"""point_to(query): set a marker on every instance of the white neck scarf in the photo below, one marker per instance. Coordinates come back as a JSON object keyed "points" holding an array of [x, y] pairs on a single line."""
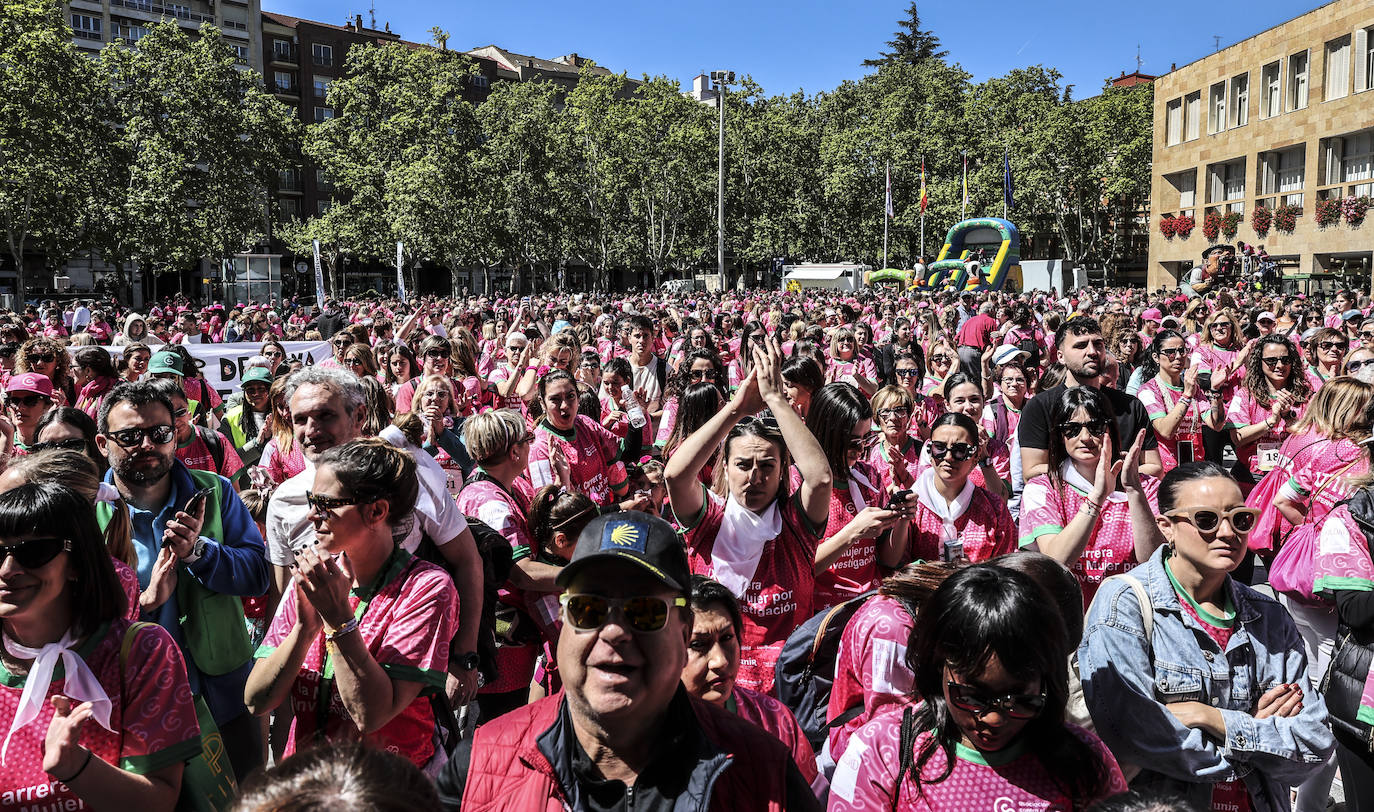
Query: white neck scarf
{"points": [[739, 543], [1070, 474], [949, 512], [80, 684]]}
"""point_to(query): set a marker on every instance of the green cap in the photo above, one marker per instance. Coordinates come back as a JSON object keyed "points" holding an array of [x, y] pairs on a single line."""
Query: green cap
{"points": [[166, 361], [259, 374]]}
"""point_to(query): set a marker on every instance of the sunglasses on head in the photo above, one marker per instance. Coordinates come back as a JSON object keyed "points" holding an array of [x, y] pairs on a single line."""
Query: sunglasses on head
{"points": [[643, 614], [129, 438], [28, 401], [1017, 706], [34, 553], [1208, 520], [69, 444], [959, 452], [319, 502], [1275, 361], [1073, 428]]}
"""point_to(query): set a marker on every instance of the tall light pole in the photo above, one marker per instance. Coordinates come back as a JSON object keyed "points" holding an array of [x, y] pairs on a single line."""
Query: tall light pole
{"points": [[721, 78]]}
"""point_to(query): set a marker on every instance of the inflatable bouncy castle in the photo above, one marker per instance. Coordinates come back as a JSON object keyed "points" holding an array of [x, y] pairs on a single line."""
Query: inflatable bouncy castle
{"points": [[1001, 251]]}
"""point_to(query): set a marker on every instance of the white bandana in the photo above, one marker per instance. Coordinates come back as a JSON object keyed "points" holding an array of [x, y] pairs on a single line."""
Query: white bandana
{"points": [[739, 543], [949, 512], [80, 684]]}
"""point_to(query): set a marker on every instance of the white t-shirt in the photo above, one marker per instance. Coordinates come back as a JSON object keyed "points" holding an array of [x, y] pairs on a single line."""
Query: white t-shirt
{"points": [[646, 378]]}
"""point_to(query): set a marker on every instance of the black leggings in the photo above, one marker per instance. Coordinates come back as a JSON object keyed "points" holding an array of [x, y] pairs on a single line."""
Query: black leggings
{"points": [[1357, 773], [1214, 444]]}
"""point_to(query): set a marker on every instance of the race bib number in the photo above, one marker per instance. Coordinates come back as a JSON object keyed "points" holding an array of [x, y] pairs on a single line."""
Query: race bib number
{"points": [[1269, 456]]}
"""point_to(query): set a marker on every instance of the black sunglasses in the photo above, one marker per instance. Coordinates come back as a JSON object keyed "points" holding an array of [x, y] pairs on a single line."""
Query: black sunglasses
{"points": [[959, 452], [129, 438], [1017, 706], [69, 444], [34, 553], [702, 375], [28, 401], [325, 503], [1355, 365], [1275, 361], [1327, 345], [45, 358], [436, 354], [1173, 352], [907, 373], [1072, 428]]}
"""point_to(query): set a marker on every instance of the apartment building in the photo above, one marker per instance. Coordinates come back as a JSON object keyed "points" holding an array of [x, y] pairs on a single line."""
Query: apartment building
{"points": [[97, 22], [1282, 119]]}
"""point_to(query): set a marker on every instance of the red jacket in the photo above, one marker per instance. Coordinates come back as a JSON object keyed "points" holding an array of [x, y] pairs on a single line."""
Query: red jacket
{"points": [[512, 764]]}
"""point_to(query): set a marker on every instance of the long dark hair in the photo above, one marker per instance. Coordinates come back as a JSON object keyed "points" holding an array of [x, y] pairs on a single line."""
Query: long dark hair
{"points": [[1098, 407], [552, 376], [50, 509], [1258, 385], [981, 612], [1149, 368], [698, 404], [835, 409]]}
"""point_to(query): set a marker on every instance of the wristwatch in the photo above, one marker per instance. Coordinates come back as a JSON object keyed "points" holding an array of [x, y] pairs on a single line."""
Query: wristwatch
{"points": [[466, 661], [197, 550]]}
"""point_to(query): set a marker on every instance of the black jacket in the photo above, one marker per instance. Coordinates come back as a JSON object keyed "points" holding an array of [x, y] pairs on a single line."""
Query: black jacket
{"points": [[1343, 683]]}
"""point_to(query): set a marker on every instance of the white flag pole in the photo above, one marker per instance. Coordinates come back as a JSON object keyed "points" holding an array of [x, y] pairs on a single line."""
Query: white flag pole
{"points": [[319, 278]]}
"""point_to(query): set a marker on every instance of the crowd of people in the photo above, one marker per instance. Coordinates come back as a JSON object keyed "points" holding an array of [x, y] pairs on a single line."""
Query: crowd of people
{"points": [[1106, 549]]}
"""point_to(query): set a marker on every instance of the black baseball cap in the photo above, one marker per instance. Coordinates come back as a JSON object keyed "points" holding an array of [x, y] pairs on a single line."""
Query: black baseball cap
{"points": [[630, 535]]}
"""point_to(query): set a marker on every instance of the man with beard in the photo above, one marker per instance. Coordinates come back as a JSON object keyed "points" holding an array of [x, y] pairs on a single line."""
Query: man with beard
{"points": [[1083, 353], [193, 566]]}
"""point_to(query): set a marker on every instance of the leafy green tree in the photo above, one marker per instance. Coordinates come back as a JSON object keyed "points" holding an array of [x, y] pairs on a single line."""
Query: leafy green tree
{"points": [[54, 125], [594, 132], [911, 45]]}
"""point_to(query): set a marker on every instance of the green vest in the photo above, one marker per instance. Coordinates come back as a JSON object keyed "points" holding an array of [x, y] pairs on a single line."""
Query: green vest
{"points": [[212, 623]]}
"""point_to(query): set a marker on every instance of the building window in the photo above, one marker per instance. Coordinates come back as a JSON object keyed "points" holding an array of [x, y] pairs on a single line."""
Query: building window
{"points": [[1269, 79], [283, 50], [1173, 121], [323, 206], [241, 52], [289, 180], [283, 82], [1350, 159], [1216, 108], [478, 80], [322, 86], [322, 181], [1364, 59], [323, 114], [322, 54], [1297, 81], [290, 208], [1337, 69], [1240, 100], [1185, 183], [86, 26], [1227, 185], [1192, 115], [1284, 173]]}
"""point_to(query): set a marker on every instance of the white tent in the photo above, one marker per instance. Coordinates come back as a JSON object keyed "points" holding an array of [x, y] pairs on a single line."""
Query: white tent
{"points": [[832, 276]]}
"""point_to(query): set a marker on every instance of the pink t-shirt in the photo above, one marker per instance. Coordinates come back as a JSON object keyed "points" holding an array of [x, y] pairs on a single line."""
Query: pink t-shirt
{"points": [[775, 717], [1320, 476], [281, 468], [667, 422], [591, 452], [878, 462], [870, 667], [1210, 357], [985, 528], [128, 579], [500, 375], [1012, 779], [782, 594], [1245, 411], [856, 570], [196, 454], [151, 711], [1160, 399], [504, 511], [1047, 508], [407, 626]]}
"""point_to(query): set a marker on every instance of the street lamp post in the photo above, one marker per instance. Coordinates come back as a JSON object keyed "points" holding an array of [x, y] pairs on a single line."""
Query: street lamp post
{"points": [[721, 78]]}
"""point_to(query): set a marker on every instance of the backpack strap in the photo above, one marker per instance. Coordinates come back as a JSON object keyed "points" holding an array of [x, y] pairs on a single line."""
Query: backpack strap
{"points": [[1147, 606], [127, 645], [906, 751], [212, 441]]}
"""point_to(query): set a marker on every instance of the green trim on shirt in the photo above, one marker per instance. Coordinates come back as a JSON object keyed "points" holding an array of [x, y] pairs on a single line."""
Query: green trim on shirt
{"points": [[991, 758], [83, 651], [409, 673], [1042, 530], [1228, 613], [1335, 582], [161, 759]]}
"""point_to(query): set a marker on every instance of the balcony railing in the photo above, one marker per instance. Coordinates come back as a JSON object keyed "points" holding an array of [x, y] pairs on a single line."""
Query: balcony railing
{"points": [[287, 55], [290, 89], [180, 12]]}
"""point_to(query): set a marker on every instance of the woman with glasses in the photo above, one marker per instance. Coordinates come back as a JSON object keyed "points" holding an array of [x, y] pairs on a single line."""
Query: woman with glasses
{"points": [[1207, 688], [365, 626], [699, 366], [896, 455], [1220, 356], [340, 342], [1173, 400], [990, 656], [114, 727], [275, 354], [954, 518], [594, 457], [1328, 347], [282, 456], [436, 358], [71, 429], [752, 337], [847, 557], [752, 531], [1002, 415], [28, 396], [48, 358], [1268, 402], [249, 423], [360, 360], [95, 376], [1126, 346], [963, 395], [507, 373], [1090, 512], [848, 366]]}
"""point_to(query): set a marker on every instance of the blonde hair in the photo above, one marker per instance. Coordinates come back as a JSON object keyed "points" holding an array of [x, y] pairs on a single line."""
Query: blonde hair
{"points": [[79, 472], [892, 397], [490, 434], [1339, 410], [435, 382]]}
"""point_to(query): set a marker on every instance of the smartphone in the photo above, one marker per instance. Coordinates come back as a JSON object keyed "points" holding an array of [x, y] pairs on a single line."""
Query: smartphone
{"points": [[197, 499], [895, 501], [1185, 452], [1204, 380]]}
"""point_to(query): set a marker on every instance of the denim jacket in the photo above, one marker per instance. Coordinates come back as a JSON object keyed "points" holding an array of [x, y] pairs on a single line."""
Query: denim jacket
{"points": [[1127, 680]]}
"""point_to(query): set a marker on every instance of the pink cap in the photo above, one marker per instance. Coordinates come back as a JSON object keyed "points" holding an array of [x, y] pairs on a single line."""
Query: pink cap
{"points": [[30, 382], [1153, 315]]}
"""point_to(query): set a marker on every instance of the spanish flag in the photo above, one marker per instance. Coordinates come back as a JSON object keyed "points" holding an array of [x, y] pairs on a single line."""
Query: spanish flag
{"points": [[925, 200]]}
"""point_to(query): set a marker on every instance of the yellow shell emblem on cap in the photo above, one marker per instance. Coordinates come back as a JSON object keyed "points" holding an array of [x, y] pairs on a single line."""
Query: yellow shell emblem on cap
{"points": [[625, 535]]}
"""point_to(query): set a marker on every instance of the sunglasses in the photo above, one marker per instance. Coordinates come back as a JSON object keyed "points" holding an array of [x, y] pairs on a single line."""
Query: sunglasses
{"points": [[1275, 361], [1367, 335], [1222, 324], [959, 452], [34, 553], [1355, 365], [46, 358], [940, 359], [28, 401], [1013, 381], [1208, 520], [1073, 428], [69, 444], [338, 343], [272, 354], [643, 614], [891, 414], [907, 373], [437, 354], [702, 375], [327, 503], [130, 438], [1017, 706], [1329, 345], [1173, 352], [863, 443]]}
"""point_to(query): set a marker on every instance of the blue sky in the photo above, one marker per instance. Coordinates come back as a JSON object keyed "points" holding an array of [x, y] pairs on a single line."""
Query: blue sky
{"points": [[814, 45]]}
